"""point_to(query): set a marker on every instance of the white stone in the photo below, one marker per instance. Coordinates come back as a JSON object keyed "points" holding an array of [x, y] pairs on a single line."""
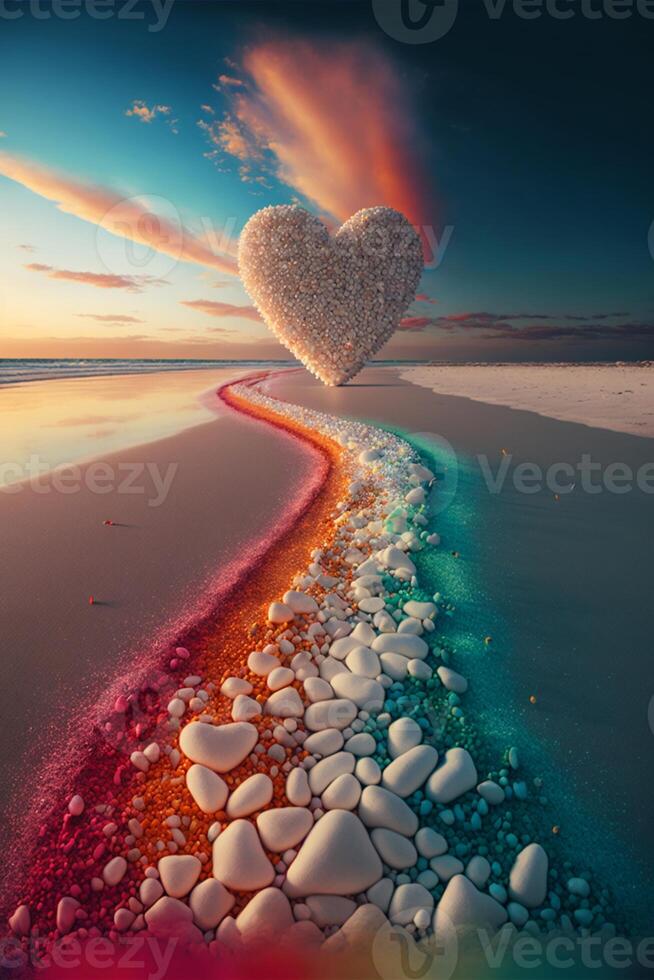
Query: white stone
{"points": [[279, 612], [245, 708], [20, 921], [169, 917], [150, 891], [286, 703], [410, 646], [451, 680], [343, 794], [356, 935], [330, 910], [380, 894], [114, 871], [421, 610], [179, 873], [464, 907], [419, 669], [210, 902], [339, 649], [279, 678], [394, 665], [283, 827], [394, 849], [406, 901], [380, 808], [207, 788], [234, 686], [364, 662], [326, 771], [491, 792], [403, 734], [262, 663], [221, 747], [266, 916], [338, 713], [429, 843], [528, 878], [371, 604], [298, 791], [409, 771], [317, 689], [367, 771], [453, 778], [239, 860], [324, 743], [446, 866], [393, 557], [364, 692], [330, 667], [66, 914], [361, 744], [363, 633], [300, 603], [478, 870], [337, 858], [251, 795]]}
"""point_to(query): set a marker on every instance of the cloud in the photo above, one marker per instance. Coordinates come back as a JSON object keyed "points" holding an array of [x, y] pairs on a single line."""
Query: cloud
{"points": [[2, 134], [229, 81], [416, 322], [129, 218], [424, 298], [142, 112], [101, 280], [207, 108], [332, 122], [27, 248], [110, 317], [222, 309]]}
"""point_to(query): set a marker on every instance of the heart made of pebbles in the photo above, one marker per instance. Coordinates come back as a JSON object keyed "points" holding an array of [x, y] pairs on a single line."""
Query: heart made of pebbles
{"points": [[333, 301]]}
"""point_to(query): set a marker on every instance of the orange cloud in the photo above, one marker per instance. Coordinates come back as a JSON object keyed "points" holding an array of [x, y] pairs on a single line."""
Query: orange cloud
{"points": [[99, 279], [213, 308], [126, 218], [336, 125], [110, 317], [144, 113]]}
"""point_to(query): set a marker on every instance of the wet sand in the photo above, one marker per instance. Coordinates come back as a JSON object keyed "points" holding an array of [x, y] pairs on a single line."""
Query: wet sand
{"points": [[233, 480], [564, 586]]}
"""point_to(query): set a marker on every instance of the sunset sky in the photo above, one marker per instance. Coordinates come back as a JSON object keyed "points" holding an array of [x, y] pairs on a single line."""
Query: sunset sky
{"points": [[524, 146]]}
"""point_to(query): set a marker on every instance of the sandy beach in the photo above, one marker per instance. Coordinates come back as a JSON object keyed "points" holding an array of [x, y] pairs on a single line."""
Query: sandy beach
{"points": [[606, 396]]}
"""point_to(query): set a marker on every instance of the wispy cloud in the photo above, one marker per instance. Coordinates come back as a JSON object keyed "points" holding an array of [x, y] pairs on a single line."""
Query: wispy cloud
{"points": [[425, 298], [229, 81], [110, 317], [127, 218], [213, 308], [27, 248], [332, 122], [2, 134], [550, 326], [100, 280], [141, 111]]}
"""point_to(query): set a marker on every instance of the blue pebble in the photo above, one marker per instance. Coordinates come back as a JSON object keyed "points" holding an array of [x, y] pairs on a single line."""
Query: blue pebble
{"points": [[447, 817], [549, 915], [482, 807], [579, 887], [520, 790], [512, 840], [422, 864], [498, 892], [475, 821], [458, 812], [514, 760], [426, 807], [518, 914], [584, 917]]}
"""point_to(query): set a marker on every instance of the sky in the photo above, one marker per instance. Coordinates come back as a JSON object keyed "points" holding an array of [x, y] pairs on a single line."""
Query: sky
{"points": [[133, 151]]}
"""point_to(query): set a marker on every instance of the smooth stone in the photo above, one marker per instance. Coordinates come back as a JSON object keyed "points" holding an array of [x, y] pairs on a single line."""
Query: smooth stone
{"points": [[384, 622], [358, 932], [245, 708], [326, 771], [317, 689], [343, 794], [302, 936], [363, 633], [371, 604], [207, 788], [446, 866], [381, 893], [262, 663], [452, 681], [210, 902], [411, 625], [363, 662], [221, 747], [453, 778], [406, 901], [361, 744], [179, 873], [339, 713], [20, 921], [339, 649], [528, 877], [407, 644], [478, 870], [297, 788], [403, 734], [114, 871], [324, 743], [367, 771], [462, 906], [251, 795], [150, 891], [579, 887], [239, 860], [286, 703], [394, 849], [429, 843], [330, 910], [300, 603], [364, 692], [234, 686], [66, 914], [265, 917], [337, 858], [415, 497], [491, 792], [283, 827], [279, 613], [410, 770], [330, 667], [168, 917], [279, 678], [393, 557], [421, 610], [419, 669], [379, 807], [394, 665]]}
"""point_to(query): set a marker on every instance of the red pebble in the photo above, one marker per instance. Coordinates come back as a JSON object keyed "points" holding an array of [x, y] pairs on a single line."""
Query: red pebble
{"points": [[91, 600], [182, 653], [121, 704]]}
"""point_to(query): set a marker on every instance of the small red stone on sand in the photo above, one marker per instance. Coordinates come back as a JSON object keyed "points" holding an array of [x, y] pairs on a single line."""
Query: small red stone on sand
{"points": [[91, 600], [108, 523]]}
